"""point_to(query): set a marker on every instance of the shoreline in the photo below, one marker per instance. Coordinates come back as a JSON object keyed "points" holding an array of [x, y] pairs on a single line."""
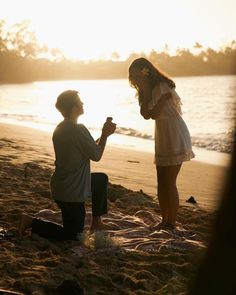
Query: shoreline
{"points": [[131, 168], [142, 145]]}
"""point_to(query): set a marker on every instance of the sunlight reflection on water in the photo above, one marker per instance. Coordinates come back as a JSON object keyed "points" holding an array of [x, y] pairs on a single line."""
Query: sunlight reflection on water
{"points": [[208, 107]]}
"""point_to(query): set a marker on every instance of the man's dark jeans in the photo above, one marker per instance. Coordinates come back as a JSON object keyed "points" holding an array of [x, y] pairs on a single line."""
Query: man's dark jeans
{"points": [[73, 213]]}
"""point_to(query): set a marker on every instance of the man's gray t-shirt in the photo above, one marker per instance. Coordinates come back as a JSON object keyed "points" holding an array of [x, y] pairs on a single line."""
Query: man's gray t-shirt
{"points": [[74, 148]]}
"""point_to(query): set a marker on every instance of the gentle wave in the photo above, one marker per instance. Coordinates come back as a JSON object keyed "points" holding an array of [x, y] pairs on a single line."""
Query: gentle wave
{"points": [[19, 117], [222, 142], [133, 132]]}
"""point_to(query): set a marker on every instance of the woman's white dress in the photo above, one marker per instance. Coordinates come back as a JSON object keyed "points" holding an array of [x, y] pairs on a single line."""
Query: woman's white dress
{"points": [[172, 139]]}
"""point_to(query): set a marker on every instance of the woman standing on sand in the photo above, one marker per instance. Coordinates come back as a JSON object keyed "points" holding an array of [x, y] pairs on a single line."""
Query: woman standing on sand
{"points": [[159, 101]]}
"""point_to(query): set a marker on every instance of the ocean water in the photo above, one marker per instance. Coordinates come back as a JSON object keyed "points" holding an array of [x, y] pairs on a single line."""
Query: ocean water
{"points": [[209, 109]]}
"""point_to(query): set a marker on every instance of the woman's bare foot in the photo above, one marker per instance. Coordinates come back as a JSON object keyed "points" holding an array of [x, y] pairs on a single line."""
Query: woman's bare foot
{"points": [[97, 224], [25, 223], [158, 226], [169, 226]]}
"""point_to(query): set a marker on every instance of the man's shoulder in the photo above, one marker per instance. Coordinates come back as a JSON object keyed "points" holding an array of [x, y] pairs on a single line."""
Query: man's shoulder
{"points": [[80, 126], [68, 127], [64, 127]]}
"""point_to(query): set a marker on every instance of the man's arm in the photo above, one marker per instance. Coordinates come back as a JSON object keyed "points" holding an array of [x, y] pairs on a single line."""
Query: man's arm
{"points": [[90, 148], [108, 129]]}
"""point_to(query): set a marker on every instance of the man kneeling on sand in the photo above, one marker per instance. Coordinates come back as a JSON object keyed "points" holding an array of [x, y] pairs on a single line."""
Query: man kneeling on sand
{"points": [[72, 181]]}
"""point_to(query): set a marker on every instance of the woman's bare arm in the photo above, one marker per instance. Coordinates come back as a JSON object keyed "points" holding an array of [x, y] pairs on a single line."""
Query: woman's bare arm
{"points": [[144, 111], [156, 111]]}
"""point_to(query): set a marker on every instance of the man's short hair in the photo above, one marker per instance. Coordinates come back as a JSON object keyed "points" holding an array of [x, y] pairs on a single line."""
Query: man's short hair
{"points": [[65, 102]]}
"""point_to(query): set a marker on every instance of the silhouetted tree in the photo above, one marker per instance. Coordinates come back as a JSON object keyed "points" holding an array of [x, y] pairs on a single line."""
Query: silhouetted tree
{"points": [[22, 59], [2, 36], [115, 56], [23, 41]]}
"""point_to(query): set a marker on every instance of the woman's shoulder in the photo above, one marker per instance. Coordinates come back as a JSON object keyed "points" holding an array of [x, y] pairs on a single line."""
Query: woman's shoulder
{"points": [[161, 87], [156, 90], [165, 87]]}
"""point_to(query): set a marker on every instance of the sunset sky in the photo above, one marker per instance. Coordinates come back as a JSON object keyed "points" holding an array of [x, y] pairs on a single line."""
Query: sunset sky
{"points": [[93, 29]]}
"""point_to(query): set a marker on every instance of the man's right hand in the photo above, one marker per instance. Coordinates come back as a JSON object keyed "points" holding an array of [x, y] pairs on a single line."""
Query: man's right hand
{"points": [[108, 128]]}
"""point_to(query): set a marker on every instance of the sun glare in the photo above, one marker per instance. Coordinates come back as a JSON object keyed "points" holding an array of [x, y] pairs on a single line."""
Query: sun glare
{"points": [[96, 29]]}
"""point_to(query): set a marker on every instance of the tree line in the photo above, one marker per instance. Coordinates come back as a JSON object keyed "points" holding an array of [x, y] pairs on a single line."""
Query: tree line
{"points": [[21, 60]]}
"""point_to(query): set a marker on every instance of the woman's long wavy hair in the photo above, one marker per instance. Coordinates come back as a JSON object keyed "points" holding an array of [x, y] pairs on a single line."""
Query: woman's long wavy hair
{"points": [[154, 75]]}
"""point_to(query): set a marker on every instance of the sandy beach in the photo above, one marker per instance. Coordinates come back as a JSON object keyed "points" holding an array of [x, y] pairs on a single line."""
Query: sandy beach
{"points": [[128, 258]]}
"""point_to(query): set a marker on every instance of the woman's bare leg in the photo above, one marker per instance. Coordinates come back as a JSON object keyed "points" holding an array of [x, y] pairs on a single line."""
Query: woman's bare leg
{"points": [[171, 193], [168, 195], [163, 203], [97, 224]]}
